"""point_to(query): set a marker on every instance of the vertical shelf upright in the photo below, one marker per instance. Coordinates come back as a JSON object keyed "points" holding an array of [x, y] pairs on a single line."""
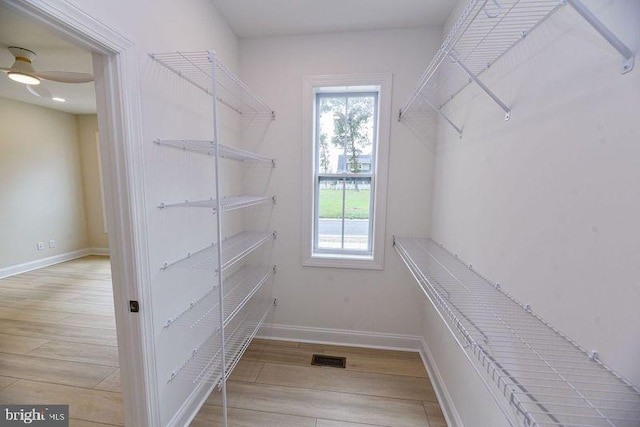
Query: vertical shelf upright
{"points": [[233, 296]]}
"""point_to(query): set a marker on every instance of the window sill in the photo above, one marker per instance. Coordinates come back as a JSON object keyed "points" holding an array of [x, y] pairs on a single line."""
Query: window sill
{"points": [[343, 261]]}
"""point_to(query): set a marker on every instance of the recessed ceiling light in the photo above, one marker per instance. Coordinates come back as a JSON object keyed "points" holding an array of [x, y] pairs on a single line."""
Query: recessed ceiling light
{"points": [[23, 78], [55, 98]]}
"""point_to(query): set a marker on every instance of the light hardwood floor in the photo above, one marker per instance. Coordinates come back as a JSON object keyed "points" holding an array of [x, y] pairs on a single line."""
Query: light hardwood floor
{"points": [[58, 345]]}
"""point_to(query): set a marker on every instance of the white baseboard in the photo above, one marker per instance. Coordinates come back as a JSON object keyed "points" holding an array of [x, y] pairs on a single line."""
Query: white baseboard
{"points": [[99, 251], [444, 398], [340, 337], [45, 262]]}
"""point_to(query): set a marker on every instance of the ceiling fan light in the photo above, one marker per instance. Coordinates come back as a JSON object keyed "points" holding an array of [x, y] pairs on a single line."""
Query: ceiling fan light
{"points": [[23, 78]]}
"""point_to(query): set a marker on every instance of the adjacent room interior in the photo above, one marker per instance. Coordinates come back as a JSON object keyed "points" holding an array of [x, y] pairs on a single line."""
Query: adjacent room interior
{"points": [[322, 214]]}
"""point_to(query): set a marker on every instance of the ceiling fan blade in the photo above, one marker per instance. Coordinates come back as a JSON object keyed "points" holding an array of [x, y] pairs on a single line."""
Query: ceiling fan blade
{"points": [[65, 76], [39, 90]]}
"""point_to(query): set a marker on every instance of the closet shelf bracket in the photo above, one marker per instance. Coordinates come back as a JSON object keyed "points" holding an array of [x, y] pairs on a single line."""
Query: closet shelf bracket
{"points": [[444, 116], [600, 27], [456, 58]]}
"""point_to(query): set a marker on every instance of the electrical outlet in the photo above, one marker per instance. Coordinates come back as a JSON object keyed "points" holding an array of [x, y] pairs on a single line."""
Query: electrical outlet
{"points": [[52, 244], [41, 246]]}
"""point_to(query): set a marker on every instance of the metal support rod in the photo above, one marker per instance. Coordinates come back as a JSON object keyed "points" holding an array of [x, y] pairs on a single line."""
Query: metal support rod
{"points": [[454, 57], [598, 25], [212, 59], [444, 117]]}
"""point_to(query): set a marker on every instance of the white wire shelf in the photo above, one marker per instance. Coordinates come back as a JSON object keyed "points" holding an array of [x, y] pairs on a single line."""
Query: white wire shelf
{"points": [[200, 68], [238, 289], [226, 204], [245, 330], [483, 33], [205, 362], [234, 248], [547, 379], [209, 148]]}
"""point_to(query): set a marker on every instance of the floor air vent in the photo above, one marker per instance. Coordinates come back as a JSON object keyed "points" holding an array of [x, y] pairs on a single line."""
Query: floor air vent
{"points": [[332, 361]]}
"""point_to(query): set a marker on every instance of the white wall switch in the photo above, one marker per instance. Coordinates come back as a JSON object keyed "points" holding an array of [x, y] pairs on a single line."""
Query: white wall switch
{"points": [[41, 246], [52, 244]]}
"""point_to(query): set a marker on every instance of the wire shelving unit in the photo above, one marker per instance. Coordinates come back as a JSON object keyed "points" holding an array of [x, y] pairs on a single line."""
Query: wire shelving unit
{"points": [[239, 289], [483, 33], [205, 364], [226, 203], [206, 72], [538, 376], [223, 319], [209, 148]]}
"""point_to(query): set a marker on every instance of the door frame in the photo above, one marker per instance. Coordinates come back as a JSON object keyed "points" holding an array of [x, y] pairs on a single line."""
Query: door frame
{"points": [[118, 105]]}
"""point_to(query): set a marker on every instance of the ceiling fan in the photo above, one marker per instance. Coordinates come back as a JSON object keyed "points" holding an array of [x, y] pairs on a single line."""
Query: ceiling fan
{"points": [[23, 72]]}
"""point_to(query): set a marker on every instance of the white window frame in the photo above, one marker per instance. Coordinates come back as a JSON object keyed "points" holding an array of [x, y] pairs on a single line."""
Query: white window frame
{"points": [[311, 84]]}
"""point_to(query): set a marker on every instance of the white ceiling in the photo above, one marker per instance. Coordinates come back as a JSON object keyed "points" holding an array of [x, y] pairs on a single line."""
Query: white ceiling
{"points": [[266, 18], [53, 54]]}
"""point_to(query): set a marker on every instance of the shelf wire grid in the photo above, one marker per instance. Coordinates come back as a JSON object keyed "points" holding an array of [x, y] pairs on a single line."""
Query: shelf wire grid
{"points": [[226, 204], [205, 362], [238, 289], [209, 148], [234, 249], [239, 341], [198, 68], [483, 33], [546, 378]]}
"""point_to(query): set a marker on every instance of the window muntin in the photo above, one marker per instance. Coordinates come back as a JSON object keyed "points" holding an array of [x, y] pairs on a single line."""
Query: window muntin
{"points": [[345, 146]]}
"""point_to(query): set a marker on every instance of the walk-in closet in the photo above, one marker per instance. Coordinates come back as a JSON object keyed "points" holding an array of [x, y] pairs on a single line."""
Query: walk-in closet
{"points": [[347, 214]]}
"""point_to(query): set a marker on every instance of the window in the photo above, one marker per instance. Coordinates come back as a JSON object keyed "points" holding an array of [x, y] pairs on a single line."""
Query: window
{"points": [[346, 149]]}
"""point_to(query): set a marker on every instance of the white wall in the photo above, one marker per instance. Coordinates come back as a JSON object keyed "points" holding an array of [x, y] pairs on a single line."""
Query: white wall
{"points": [[548, 203], [375, 302], [87, 125], [40, 183]]}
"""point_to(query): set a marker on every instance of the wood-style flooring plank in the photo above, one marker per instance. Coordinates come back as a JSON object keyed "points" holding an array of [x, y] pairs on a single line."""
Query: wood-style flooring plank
{"points": [[332, 423], [17, 344], [73, 422], [89, 320], [28, 293], [6, 381], [275, 343], [11, 313], [65, 306], [334, 379], [55, 332], [385, 365], [78, 352], [39, 286], [84, 404], [330, 348], [111, 383], [246, 371], [278, 354], [210, 416], [358, 359], [434, 414], [52, 371], [330, 405]]}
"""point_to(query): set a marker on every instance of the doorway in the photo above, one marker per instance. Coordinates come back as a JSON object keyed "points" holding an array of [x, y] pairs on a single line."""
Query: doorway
{"points": [[116, 91]]}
